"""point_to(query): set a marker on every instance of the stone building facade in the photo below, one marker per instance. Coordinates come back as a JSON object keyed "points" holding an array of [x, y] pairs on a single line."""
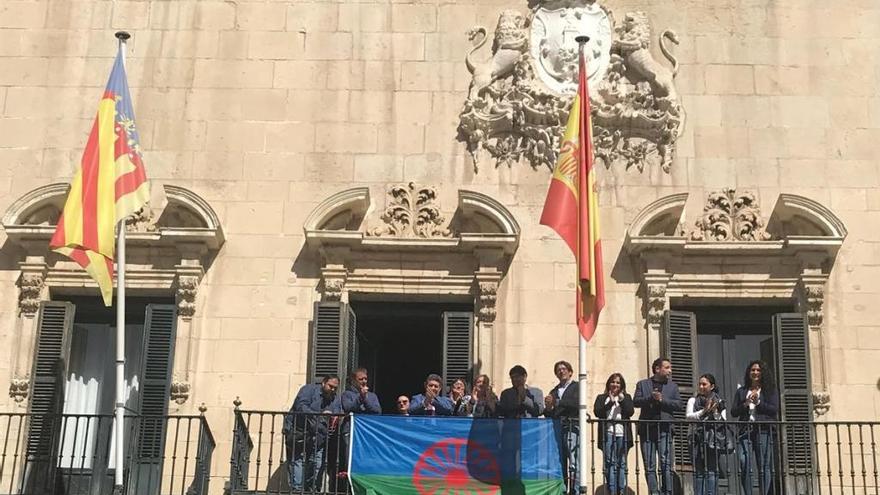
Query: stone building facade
{"points": [[348, 151]]}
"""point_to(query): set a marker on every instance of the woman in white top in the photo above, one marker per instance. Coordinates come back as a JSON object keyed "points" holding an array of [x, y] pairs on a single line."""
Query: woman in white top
{"points": [[710, 437], [615, 437]]}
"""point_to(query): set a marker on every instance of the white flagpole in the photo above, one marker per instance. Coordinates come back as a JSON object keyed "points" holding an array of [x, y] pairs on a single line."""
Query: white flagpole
{"points": [[582, 359], [123, 37]]}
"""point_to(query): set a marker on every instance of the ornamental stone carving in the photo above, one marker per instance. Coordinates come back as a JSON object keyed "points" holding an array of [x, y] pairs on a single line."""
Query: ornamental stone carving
{"points": [[180, 391], [18, 388], [488, 298], [412, 211], [30, 287], [187, 288], [730, 216], [333, 289], [821, 403], [656, 303], [814, 296], [519, 100]]}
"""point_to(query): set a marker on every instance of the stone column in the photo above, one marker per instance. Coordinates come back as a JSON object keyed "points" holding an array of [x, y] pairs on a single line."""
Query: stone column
{"points": [[486, 283], [656, 302], [186, 285], [811, 300], [32, 287]]}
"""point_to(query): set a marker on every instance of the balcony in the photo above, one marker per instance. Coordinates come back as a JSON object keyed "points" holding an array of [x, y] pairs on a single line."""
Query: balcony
{"points": [[807, 458], [74, 454]]}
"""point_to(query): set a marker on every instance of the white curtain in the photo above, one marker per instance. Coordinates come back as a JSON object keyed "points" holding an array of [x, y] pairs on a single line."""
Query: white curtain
{"points": [[91, 387]]}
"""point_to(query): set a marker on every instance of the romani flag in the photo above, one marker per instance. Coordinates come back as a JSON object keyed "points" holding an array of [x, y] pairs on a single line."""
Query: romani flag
{"points": [[572, 208], [109, 186]]}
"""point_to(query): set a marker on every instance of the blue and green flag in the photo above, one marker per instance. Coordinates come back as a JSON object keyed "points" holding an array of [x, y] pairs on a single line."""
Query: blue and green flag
{"points": [[407, 455]]}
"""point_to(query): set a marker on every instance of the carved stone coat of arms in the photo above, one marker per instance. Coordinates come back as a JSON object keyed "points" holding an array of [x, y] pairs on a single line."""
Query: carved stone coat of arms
{"points": [[519, 99]]}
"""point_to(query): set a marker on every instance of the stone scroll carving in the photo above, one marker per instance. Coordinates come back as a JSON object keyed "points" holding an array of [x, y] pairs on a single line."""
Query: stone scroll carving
{"points": [[730, 216], [519, 100], [412, 211]]}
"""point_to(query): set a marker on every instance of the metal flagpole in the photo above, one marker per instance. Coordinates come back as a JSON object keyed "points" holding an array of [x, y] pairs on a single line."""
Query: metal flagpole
{"points": [[582, 348], [123, 37]]}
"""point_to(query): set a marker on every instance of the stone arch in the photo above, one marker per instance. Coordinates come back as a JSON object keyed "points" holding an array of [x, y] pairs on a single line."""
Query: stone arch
{"points": [[365, 248], [662, 217], [799, 216], [184, 224]]}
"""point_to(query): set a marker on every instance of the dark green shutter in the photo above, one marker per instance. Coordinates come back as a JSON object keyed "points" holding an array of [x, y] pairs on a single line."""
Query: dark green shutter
{"points": [[54, 326], [458, 329], [157, 359], [334, 341], [678, 340], [791, 336]]}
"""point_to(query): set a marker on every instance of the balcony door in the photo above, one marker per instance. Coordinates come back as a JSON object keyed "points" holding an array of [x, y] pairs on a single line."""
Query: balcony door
{"points": [[398, 343]]}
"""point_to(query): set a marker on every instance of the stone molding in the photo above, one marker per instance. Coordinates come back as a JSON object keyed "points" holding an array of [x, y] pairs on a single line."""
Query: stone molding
{"points": [[399, 259], [186, 226], [735, 258], [519, 100]]}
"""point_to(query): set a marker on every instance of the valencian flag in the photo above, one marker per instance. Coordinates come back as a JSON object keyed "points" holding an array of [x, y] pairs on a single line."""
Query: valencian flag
{"points": [[572, 207], [418, 455], [109, 186]]}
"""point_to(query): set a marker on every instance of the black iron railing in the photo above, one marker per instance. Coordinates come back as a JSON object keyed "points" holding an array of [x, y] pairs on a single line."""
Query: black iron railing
{"points": [[73, 454], [783, 457]]}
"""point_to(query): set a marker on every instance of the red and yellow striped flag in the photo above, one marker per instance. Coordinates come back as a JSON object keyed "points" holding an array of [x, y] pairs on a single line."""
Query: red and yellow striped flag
{"points": [[109, 186], [572, 208]]}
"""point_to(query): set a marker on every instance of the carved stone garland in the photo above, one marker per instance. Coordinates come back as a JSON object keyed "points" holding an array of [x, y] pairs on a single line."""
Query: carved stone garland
{"points": [[729, 216], [656, 303], [187, 288], [412, 211], [512, 113]]}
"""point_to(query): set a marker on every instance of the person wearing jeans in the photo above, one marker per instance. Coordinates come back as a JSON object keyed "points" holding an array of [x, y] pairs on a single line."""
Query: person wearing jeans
{"points": [[305, 432], [614, 437], [562, 403], [707, 408], [658, 399], [755, 402]]}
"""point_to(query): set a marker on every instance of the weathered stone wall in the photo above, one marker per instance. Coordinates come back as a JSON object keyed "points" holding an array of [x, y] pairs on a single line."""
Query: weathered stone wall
{"points": [[266, 108]]}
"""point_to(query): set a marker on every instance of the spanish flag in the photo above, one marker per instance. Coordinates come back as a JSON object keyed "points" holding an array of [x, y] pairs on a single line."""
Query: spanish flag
{"points": [[109, 186], [572, 208]]}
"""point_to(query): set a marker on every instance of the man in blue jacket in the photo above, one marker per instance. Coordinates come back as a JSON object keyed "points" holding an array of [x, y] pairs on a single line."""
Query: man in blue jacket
{"points": [[356, 399], [431, 403], [658, 398], [305, 432]]}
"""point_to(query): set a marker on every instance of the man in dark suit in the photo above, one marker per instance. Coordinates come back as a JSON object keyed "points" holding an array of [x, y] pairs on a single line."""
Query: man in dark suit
{"points": [[562, 402], [520, 400], [305, 433], [658, 398]]}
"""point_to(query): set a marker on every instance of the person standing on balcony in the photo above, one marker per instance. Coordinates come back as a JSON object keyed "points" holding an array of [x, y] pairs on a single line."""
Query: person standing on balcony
{"points": [[305, 433], [755, 402], [356, 399], [485, 400], [431, 403], [402, 405], [658, 399], [562, 402], [709, 442], [520, 400], [614, 437]]}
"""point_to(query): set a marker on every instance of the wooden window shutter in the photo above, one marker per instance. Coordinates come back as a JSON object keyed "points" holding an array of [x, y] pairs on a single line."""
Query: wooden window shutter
{"points": [[157, 360], [678, 341], [458, 329], [334, 341], [791, 338], [48, 375]]}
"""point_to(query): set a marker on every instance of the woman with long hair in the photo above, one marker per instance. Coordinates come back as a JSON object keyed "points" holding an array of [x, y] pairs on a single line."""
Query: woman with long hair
{"points": [[614, 437], [709, 439], [756, 402]]}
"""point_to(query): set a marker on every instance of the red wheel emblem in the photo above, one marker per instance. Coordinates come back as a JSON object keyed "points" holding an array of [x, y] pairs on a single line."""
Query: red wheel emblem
{"points": [[455, 466]]}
